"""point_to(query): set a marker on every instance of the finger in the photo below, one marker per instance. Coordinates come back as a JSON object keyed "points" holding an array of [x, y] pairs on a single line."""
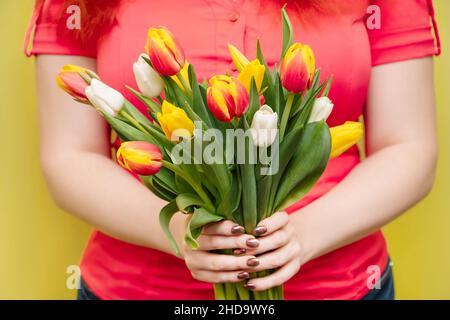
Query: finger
{"points": [[224, 228], [220, 277], [202, 260], [212, 242], [271, 224], [277, 278], [270, 242], [276, 259]]}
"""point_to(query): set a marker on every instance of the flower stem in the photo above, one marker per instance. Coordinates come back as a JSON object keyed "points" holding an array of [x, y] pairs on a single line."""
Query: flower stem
{"points": [[185, 85], [136, 123], [286, 114]]}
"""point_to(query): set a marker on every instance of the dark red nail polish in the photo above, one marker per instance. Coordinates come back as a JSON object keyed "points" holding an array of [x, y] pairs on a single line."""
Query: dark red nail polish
{"points": [[259, 230], [249, 286], [252, 243], [243, 275], [237, 229], [239, 251], [253, 262]]}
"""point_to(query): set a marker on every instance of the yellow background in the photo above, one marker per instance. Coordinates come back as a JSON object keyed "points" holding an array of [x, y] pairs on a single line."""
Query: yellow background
{"points": [[39, 241]]}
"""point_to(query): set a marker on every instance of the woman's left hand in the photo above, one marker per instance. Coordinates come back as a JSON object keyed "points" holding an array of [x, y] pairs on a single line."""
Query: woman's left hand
{"points": [[279, 248]]}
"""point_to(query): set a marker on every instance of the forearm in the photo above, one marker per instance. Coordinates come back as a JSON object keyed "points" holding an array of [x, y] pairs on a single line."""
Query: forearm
{"points": [[378, 190], [93, 188]]}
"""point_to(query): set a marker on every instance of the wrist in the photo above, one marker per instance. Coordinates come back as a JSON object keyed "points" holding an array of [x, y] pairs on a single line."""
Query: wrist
{"points": [[305, 239]]}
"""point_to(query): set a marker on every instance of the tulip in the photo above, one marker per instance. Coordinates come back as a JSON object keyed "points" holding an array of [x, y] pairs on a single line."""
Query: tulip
{"points": [[253, 70], [74, 80], [166, 55], [226, 97], [174, 122], [264, 127], [148, 80], [183, 73], [345, 136], [104, 98], [321, 109], [297, 68], [140, 157], [239, 60]]}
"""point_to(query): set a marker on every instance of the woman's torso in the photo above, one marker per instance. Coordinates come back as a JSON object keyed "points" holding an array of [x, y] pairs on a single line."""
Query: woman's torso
{"points": [[117, 270]]}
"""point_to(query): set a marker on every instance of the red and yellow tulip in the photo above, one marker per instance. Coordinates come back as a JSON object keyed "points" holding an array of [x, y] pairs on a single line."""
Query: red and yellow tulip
{"points": [[166, 55], [174, 122], [345, 136], [297, 68], [70, 79], [226, 97], [140, 157]]}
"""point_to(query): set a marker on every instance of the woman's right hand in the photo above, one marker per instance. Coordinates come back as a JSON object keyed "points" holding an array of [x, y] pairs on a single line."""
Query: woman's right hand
{"points": [[208, 266]]}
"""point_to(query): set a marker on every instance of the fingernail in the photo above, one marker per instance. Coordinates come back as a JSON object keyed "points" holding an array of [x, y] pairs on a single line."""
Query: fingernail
{"points": [[249, 286], [239, 251], [259, 230], [253, 262], [252, 243], [237, 229], [243, 275]]}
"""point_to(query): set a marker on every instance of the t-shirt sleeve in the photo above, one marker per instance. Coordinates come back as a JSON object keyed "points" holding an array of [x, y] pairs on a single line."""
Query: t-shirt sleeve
{"points": [[406, 29], [51, 30]]}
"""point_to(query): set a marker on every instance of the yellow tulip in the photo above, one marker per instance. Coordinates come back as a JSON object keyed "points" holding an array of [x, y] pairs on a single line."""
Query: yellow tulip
{"points": [[253, 70], [239, 60], [345, 136], [183, 73], [174, 122]]}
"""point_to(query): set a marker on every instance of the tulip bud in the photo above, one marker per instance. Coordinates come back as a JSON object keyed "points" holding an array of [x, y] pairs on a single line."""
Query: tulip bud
{"points": [[148, 80], [297, 68], [345, 136], [74, 80], [140, 157], [239, 60], [174, 122], [226, 97], [184, 72], [104, 98], [253, 70], [166, 55], [321, 109], [264, 127]]}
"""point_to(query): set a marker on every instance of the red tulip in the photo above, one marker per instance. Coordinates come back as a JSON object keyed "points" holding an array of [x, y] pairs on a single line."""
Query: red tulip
{"points": [[70, 79], [140, 157], [226, 97], [166, 55], [297, 68]]}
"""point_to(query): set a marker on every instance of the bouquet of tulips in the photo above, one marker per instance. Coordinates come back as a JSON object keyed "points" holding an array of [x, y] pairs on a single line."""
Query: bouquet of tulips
{"points": [[237, 148]]}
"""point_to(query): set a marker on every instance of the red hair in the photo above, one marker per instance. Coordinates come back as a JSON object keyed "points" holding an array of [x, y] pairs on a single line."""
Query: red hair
{"points": [[97, 15]]}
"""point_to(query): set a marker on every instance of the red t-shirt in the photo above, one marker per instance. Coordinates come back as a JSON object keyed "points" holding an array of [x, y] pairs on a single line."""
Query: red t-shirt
{"points": [[344, 47]]}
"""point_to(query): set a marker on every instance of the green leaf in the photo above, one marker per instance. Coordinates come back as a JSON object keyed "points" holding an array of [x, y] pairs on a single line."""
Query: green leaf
{"points": [[231, 202], [306, 166], [128, 132], [254, 103], [288, 34], [199, 218], [267, 81], [249, 191], [186, 200], [198, 100], [165, 215], [159, 191], [327, 88]]}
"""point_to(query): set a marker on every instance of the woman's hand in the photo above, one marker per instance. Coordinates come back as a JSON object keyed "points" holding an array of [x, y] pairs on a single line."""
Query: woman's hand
{"points": [[279, 248], [276, 247], [216, 267]]}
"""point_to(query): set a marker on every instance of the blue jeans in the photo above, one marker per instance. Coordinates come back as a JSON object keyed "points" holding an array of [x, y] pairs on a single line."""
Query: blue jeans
{"points": [[386, 291]]}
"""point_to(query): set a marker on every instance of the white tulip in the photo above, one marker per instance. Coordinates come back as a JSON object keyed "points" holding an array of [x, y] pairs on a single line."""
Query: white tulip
{"points": [[264, 127], [321, 109], [148, 80], [104, 98]]}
